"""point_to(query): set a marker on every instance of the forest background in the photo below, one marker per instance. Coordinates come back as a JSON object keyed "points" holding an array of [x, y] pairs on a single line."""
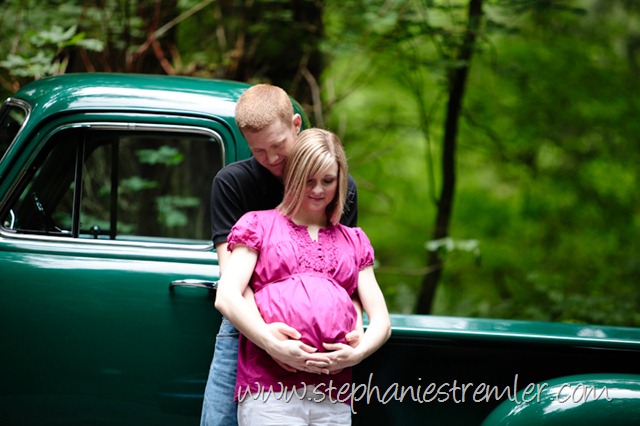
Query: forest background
{"points": [[495, 142]]}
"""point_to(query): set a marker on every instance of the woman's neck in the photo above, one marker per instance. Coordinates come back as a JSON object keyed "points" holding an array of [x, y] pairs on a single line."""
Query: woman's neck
{"points": [[310, 219]]}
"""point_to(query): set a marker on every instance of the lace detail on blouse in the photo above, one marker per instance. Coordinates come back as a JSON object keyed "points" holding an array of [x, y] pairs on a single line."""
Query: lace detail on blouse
{"points": [[315, 256]]}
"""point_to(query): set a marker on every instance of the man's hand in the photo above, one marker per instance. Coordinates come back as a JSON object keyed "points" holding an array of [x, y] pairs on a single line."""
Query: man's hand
{"points": [[353, 337], [292, 354], [341, 356], [334, 367]]}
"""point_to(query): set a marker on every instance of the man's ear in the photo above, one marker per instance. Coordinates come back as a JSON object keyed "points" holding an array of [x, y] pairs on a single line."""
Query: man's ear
{"points": [[297, 122]]}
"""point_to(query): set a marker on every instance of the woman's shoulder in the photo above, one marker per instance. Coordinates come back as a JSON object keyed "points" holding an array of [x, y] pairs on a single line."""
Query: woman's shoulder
{"points": [[252, 228], [356, 238], [264, 219], [262, 214], [348, 229], [352, 232]]}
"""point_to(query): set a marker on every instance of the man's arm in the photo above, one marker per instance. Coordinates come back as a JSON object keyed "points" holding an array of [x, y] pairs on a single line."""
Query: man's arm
{"points": [[350, 218], [377, 333], [223, 258], [244, 315], [350, 213], [226, 209], [279, 330], [223, 255]]}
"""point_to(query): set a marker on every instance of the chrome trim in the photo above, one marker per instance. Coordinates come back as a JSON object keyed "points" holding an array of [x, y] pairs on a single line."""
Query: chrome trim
{"points": [[193, 282], [27, 109], [114, 243], [13, 219]]}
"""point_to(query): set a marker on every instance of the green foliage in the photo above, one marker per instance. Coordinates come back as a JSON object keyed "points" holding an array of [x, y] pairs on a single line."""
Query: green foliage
{"points": [[32, 47], [163, 155], [172, 209], [49, 45], [546, 163], [448, 245], [136, 183], [559, 129]]}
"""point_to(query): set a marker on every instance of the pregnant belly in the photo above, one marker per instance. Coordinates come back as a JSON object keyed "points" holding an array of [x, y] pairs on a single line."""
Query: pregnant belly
{"points": [[318, 308]]}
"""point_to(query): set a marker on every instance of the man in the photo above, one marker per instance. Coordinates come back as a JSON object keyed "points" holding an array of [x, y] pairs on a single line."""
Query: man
{"points": [[265, 116]]}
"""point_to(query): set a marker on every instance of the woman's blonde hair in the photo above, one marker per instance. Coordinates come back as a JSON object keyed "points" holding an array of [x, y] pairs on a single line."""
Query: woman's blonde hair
{"points": [[314, 151], [260, 106]]}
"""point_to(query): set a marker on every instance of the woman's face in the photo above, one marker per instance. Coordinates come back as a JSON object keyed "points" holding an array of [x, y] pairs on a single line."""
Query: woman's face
{"points": [[321, 190]]}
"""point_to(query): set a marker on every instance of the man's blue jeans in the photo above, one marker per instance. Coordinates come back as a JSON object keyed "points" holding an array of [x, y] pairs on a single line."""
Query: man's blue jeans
{"points": [[218, 407]]}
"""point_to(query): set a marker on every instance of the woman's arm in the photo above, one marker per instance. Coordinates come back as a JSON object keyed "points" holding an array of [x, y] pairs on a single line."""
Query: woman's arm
{"points": [[238, 269], [378, 331]]}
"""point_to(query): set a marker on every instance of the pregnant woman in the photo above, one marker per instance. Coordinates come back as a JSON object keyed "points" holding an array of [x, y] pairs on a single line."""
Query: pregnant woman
{"points": [[303, 267]]}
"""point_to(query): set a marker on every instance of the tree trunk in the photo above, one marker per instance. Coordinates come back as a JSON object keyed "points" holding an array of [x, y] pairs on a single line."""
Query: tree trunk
{"points": [[457, 85]]}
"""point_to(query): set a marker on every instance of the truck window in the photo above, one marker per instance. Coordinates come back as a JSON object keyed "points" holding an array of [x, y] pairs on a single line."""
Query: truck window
{"points": [[114, 184]]}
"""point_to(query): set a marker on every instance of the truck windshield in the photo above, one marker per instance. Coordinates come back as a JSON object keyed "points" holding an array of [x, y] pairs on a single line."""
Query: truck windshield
{"points": [[12, 118]]}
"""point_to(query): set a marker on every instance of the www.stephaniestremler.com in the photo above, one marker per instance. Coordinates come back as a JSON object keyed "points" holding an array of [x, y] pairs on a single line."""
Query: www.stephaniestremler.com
{"points": [[453, 391]]}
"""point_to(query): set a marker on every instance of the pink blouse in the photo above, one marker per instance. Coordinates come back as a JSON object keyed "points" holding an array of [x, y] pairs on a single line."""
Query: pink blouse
{"points": [[305, 284]]}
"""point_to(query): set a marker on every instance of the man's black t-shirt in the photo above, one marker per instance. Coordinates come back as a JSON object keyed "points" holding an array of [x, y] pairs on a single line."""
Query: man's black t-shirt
{"points": [[246, 186]]}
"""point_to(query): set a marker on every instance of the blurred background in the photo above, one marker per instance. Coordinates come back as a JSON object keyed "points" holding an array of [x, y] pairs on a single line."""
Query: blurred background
{"points": [[495, 143]]}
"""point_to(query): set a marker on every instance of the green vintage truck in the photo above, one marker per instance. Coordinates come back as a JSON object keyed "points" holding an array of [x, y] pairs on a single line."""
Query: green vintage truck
{"points": [[107, 278]]}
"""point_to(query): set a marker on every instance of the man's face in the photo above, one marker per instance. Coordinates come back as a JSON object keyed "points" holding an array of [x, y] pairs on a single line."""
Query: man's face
{"points": [[271, 145]]}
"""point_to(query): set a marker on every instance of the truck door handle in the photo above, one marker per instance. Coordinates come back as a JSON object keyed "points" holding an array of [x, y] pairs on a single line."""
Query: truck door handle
{"points": [[192, 282]]}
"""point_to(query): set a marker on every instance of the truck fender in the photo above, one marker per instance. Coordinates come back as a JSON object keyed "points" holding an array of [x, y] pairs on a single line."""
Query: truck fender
{"points": [[586, 399]]}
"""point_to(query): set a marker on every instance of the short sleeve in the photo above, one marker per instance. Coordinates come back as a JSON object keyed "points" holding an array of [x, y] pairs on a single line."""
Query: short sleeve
{"points": [[246, 231], [364, 251]]}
